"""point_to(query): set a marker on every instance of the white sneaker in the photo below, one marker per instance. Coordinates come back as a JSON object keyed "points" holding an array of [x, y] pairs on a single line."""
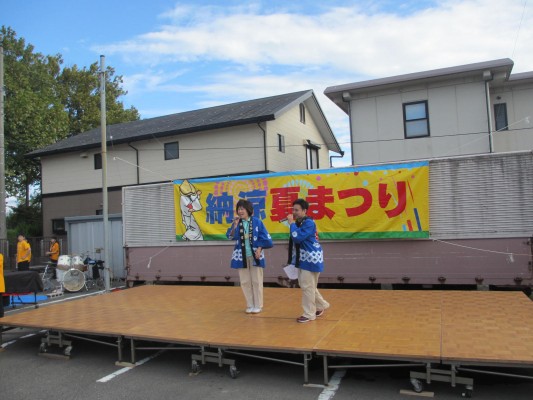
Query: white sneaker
{"points": [[256, 310], [250, 310]]}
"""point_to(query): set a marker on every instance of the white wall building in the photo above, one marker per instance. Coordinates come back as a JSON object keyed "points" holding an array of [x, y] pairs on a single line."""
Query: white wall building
{"points": [[468, 109], [278, 133]]}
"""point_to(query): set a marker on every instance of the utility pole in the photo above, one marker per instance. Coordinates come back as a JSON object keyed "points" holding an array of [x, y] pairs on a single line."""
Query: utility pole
{"points": [[104, 174], [3, 228]]}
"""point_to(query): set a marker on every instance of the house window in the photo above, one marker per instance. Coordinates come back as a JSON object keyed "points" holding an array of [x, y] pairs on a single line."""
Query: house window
{"points": [[58, 226], [98, 161], [312, 154], [302, 113], [281, 143], [172, 151], [500, 116], [416, 119]]}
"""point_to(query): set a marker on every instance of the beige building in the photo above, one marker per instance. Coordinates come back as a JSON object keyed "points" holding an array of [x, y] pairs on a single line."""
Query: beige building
{"points": [[468, 109], [278, 133]]}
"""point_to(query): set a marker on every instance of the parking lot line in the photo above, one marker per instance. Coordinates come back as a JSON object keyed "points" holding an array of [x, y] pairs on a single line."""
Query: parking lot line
{"points": [[126, 369], [329, 392]]}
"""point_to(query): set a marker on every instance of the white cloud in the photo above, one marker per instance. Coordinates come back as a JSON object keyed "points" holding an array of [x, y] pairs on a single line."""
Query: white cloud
{"points": [[346, 39], [216, 55], [229, 87], [150, 80]]}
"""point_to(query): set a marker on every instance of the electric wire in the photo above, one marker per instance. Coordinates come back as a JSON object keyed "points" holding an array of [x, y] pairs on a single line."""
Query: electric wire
{"points": [[483, 250], [519, 28]]}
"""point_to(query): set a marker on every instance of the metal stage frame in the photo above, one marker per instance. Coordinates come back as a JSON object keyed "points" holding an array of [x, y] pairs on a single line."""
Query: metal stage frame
{"points": [[440, 335]]}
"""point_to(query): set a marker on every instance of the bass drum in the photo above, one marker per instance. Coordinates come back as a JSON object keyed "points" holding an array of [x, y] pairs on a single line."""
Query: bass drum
{"points": [[73, 280], [63, 262], [77, 263]]}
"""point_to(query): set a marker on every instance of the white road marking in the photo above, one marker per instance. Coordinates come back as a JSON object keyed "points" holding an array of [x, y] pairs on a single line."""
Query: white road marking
{"points": [[4, 345], [126, 369], [334, 383], [30, 335]]}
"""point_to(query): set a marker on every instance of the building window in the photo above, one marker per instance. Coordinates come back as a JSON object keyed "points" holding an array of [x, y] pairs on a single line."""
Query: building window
{"points": [[312, 154], [416, 119], [281, 143], [302, 113], [58, 226], [98, 161], [172, 151], [500, 116]]}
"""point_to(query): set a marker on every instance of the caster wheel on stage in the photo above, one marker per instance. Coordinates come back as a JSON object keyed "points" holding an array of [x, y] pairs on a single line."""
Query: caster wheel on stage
{"points": [[195, 367], [233, 371], [43, 348], [417, 385], [468, 392], [67, 350]]}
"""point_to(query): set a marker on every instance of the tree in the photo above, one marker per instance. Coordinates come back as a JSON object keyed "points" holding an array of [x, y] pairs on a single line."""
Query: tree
{"points": [[34, 114], [26, 219], [45, 103], [81, 98]]}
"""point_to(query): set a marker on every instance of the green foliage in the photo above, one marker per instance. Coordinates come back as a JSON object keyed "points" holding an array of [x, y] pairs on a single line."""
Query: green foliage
{"points": [[25, 219], [80, 95], [34, 114], [45, 103]]}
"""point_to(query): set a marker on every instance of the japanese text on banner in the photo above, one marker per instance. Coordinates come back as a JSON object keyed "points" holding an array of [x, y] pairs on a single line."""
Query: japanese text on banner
{"points": [[386, 201]]}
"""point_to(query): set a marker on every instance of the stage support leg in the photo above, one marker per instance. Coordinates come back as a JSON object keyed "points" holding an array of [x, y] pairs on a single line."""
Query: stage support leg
{"points": [[119, 348], [307, 358], [440, 375], [218, 358], [326, 373], [132, 351], [55, 338]]}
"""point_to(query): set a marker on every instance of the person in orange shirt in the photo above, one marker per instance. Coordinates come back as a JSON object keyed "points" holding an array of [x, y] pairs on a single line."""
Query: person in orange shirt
{"points": [[23, 253], [54, 254], [2, 285]]}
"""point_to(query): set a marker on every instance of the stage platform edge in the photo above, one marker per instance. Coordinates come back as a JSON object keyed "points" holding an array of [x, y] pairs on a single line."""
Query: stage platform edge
{"points": [[451, 328]]}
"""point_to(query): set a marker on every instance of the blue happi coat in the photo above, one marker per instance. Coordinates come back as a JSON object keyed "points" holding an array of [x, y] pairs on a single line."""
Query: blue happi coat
{"points": [[311, 256], [259, 238]]}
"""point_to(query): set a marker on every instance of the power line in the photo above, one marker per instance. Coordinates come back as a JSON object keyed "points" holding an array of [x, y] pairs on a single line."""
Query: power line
{"points": [[483, 250], [519, 28], [350, 142]]}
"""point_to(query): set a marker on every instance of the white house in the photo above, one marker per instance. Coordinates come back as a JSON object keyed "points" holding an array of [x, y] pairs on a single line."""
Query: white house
{"points": [[467, 109], [278, 133]]}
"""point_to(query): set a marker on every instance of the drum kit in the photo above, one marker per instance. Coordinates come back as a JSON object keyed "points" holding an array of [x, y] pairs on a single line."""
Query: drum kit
{"points": [[70, 272]]}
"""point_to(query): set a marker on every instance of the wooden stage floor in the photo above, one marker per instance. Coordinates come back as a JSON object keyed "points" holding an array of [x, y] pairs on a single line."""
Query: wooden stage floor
{"points": [[487, 328]]}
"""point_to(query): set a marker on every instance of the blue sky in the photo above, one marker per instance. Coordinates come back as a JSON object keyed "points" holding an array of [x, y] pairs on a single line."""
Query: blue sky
{"points": [[184, 55]]}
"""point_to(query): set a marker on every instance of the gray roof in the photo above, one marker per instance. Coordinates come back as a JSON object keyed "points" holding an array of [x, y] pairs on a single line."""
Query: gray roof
{"points": [[521, 76], [241, 113], [335, 93]]}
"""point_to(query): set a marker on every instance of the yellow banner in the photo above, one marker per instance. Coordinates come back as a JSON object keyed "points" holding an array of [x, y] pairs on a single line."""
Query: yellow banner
{"points": [[386, 201]]}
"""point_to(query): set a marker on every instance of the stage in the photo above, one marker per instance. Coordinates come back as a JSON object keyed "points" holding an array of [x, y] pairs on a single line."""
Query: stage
{"points": [[426, 328]]}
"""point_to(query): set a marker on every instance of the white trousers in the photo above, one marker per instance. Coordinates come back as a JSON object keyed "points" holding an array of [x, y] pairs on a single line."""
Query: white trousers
{"points": [[252, 284], [312, 300]]}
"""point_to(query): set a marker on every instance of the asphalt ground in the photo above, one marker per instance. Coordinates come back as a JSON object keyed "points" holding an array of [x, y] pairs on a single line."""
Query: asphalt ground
{"points": [[90, 373]]}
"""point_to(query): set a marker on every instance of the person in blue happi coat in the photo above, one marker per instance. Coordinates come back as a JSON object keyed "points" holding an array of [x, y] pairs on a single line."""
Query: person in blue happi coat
{"points": [[251, 238], [306, 254]]}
